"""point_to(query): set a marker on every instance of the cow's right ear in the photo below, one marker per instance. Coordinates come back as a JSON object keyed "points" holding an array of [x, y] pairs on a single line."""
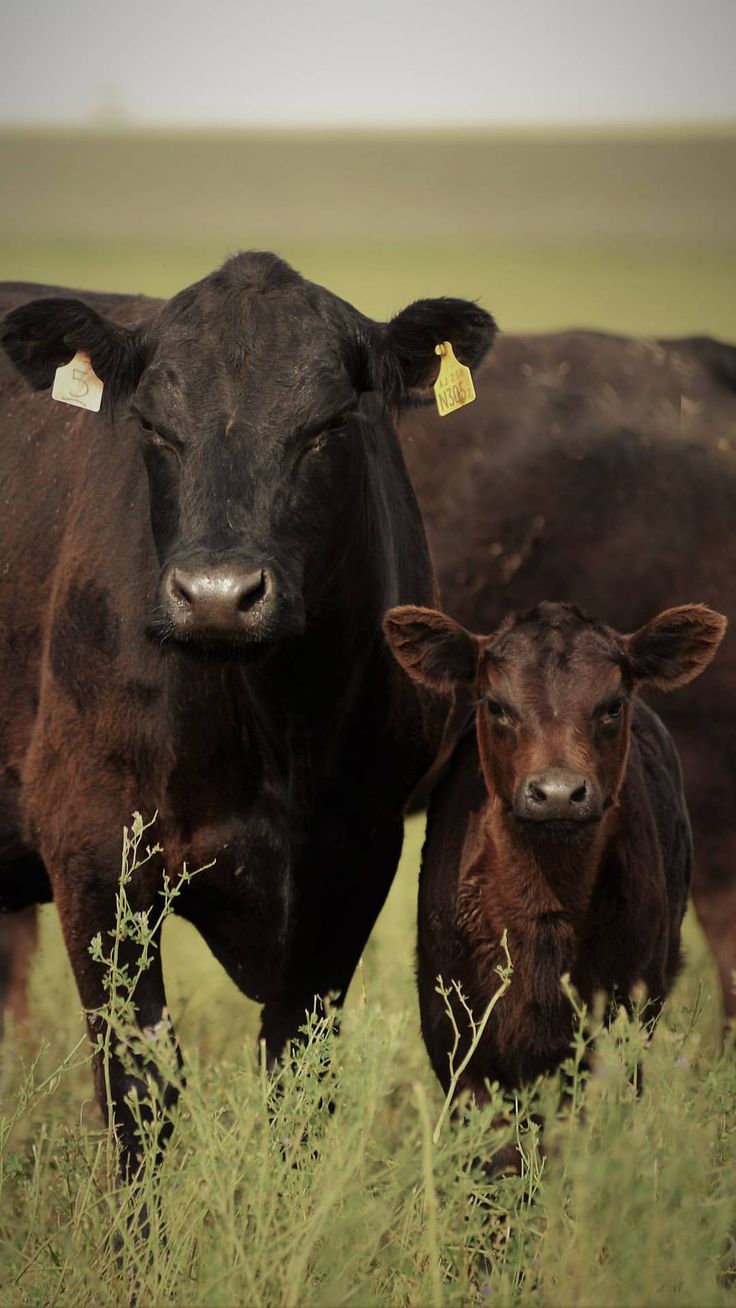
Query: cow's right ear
{"points": [[434, 650], [43, 334]]}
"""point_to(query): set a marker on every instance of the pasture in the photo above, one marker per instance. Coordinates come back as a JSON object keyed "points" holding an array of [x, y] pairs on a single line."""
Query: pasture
{"points": [[635, 1202]]}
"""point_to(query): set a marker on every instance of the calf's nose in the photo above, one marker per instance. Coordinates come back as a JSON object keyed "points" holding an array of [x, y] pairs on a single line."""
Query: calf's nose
{"points": [[218, 600], [557, 795]]}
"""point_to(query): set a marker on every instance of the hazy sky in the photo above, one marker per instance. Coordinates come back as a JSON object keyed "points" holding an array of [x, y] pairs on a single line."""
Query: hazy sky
{"points": [[384, 62]]}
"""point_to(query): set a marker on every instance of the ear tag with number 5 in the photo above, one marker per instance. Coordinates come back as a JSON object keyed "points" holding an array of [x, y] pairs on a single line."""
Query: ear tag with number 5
{"points": [[454, 385], [77, 383]]}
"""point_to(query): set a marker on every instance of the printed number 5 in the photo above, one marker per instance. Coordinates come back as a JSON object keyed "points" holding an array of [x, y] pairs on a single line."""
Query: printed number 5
{"points": [[82, 386]]}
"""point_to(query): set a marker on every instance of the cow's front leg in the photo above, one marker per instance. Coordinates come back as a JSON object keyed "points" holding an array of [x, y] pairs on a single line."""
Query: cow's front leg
{"points": [[18, 940], [134, 1042], [343, 882]]}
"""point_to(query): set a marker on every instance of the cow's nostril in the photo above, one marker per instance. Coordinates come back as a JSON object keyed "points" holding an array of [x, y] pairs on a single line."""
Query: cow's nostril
{"points": [[252, 590], [181, 588], [536, 793], [579, 795]]}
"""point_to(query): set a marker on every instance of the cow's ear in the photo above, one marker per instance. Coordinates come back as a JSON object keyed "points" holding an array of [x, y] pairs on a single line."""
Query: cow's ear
{"points": [[43, 334], [433, 649], [410, 339], [676, 646]]}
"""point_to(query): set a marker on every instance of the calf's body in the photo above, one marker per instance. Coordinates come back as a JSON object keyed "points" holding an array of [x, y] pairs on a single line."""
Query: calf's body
{"points": [[608, 913], [560, 819]]}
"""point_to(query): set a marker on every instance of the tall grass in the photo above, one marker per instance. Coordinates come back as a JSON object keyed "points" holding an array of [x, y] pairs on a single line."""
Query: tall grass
{"points": [[327, 1182]]}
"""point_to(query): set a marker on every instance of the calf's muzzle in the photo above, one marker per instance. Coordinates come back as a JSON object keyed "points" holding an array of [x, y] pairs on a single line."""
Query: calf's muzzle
{"points": [[558, 795]]}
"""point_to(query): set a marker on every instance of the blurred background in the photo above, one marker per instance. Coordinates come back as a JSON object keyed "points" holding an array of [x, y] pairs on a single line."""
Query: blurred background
{"points": [[569, 163]]}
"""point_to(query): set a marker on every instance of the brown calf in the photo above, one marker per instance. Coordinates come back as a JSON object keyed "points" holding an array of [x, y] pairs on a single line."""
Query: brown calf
{"points": [[561, 820]]}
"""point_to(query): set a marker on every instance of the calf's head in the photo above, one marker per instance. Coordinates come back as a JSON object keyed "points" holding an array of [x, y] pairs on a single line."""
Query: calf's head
{"points": [[257, 398], [553, 692]]}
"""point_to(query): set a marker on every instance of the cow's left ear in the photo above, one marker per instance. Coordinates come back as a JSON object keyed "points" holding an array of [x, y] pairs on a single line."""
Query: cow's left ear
{"points": [[410, 339], [676, 646], [41, 335]]}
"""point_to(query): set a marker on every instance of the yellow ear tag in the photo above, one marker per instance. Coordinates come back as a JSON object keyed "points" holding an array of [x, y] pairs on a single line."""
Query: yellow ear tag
{"points": [[454, 385], [77, 383]]}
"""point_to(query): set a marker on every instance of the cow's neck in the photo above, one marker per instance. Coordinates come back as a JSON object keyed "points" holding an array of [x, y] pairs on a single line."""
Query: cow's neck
{"points": [[540, 894]]}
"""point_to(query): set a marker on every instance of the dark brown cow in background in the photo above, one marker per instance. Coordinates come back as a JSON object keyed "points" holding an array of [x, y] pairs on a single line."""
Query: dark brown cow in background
{"points": [[601, 471]]}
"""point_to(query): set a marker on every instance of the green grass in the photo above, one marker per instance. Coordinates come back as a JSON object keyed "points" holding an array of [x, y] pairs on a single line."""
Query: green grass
{"points": [[643, 290], [635, 1202]]}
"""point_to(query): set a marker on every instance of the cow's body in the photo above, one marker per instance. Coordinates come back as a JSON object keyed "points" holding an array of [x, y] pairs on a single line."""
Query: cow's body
{"points": [[290, 768], [602, 471]]}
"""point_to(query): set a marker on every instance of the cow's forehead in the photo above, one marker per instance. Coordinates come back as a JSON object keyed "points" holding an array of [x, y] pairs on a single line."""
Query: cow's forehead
{"points": [[556, 652], [284, 350], [238, 320]]}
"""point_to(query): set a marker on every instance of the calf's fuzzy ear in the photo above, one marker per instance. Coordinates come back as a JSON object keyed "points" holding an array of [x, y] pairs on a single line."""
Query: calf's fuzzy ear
{"points": [[676, 646], [406, 356], [40, 336], [433, 649]]}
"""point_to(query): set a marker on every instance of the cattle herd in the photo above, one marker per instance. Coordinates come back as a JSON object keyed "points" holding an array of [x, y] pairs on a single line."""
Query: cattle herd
{"points": [[219, 603]]}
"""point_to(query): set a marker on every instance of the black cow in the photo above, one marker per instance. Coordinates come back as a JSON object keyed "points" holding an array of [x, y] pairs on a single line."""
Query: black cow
{"points": [[192, 591], [601, 471]]}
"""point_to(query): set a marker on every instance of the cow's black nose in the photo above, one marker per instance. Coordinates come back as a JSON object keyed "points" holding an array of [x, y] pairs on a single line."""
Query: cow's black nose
{"points": [[219, 600], [557, 795]]}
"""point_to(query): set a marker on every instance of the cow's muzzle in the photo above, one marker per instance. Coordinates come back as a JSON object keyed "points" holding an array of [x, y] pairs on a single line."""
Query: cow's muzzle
{"points": [[558, 795], [224, 601]]}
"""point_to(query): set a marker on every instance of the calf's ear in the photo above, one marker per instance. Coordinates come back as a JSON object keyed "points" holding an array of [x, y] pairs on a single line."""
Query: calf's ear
{"points": [[432, 648], [676, 646], [43, 334], [407, 355]]}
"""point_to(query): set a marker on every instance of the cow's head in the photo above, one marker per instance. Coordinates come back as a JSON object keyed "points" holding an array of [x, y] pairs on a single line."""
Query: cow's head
{"points": [[553, 693], [257, 397]]}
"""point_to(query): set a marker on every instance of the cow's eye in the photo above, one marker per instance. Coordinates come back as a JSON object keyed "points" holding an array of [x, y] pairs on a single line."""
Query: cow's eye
{"points": [[337, 424], [321, 439], [613, 708], [158, 438]]}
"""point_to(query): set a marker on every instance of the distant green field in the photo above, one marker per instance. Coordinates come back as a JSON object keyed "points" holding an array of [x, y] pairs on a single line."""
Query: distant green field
{"points": [[632, 234]]}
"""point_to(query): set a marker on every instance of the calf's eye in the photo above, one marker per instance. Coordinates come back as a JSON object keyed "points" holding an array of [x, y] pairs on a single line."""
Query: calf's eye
{"points": [[497, 711], [613, 709]]}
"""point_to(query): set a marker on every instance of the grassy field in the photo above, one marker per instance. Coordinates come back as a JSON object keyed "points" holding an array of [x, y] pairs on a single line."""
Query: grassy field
{"points": [[634, 1205], [635, 1202], [633, 234]]}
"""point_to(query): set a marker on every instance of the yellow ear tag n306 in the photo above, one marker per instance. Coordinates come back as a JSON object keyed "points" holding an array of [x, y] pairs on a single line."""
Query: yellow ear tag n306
{"points": [[454, 385], [77, 383]]}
